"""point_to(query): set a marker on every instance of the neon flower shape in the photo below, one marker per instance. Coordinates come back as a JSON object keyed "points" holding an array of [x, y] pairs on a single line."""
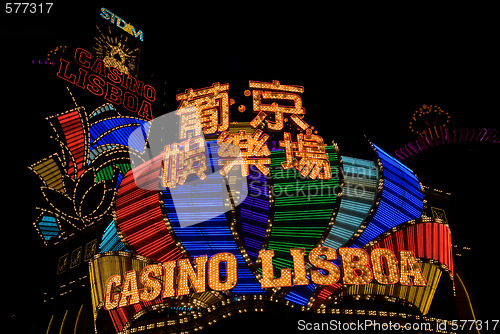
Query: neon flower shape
{"points": [[83, 201], [79, 182]]}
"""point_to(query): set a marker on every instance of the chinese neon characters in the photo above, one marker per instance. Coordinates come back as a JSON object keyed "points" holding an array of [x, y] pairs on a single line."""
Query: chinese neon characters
{"points": [[205, 111]]}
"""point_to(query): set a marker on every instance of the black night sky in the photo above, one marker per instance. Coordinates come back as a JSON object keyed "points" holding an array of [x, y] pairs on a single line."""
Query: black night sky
{"points": [[364, 70]]}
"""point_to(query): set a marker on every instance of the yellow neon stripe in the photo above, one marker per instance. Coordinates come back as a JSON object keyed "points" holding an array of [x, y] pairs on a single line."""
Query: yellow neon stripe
{"points": [[468, 300], [50, 324], [62, 322], [78, 318], [93, 288], [420, 296]]}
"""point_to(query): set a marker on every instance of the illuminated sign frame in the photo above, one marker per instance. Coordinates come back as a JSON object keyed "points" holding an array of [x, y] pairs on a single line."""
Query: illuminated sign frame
{"points": [[108, 15], [181, 277]]}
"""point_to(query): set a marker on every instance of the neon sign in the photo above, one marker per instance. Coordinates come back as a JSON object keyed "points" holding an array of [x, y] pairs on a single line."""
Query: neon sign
{"points": [[115, 86], [182, 230], [115, 50], [253, 151], [209, 106], [358, 268], [182, 160], [278, 92], [121, 23]]}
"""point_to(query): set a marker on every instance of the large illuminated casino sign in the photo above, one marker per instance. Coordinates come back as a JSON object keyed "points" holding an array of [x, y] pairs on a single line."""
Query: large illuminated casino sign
{"points": [[206, 217]]}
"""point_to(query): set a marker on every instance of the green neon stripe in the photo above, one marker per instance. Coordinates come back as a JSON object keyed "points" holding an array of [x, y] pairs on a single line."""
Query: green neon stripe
{"points": [[302, 208], [106, 173]]}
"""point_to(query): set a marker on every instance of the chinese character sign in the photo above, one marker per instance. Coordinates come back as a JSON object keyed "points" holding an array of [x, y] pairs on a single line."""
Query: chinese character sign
{"points": [[205, 111], [308, 155], [190, 167], [182, 160], [212, 108], [253, 151], [275, 91]]}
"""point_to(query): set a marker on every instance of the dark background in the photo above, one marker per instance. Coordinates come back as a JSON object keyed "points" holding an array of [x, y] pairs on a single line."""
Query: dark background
{"points": [[365, 71]]}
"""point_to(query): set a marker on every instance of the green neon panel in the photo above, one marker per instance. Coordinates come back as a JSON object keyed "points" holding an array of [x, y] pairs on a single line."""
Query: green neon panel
{"points": [[106, 173], [302, 208]]}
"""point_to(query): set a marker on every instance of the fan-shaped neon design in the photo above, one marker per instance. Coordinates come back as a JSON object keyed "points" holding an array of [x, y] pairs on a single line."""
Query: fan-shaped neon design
{"points": [[401, 198], [214, 234], [442, 135], [273, 227], [358, 196], [254, 213], [429, 240], [94, 148], [282, 211], [303, 208], [139, 215]]}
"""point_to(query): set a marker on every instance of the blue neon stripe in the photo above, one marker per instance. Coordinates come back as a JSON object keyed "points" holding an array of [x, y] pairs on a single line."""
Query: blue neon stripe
{"points": [[110, 240], [212, 235], [118, 130], [360, 184], [48, 227], [401, 199], [296, 298]]}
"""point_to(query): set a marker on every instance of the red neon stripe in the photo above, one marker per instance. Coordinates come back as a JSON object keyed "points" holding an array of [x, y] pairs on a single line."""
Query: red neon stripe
{"points": [[442, 239], [436, 243], [428, 241], [139, 215], [437, 247], [420, 240], [72, 126], [325, 292], [140, 221]]}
